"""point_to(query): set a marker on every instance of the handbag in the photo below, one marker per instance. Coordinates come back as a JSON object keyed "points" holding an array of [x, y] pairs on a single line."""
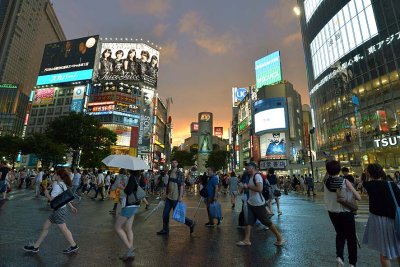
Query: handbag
{"points": [[215, 210], [346, 198], [204, 192], [65, 197], [277, 193], [179, 212], [397, 213], [134, 197]]}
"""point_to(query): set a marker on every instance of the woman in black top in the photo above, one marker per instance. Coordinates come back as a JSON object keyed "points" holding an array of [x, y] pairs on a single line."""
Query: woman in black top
{"points": [[380, 232], [123, 224]]}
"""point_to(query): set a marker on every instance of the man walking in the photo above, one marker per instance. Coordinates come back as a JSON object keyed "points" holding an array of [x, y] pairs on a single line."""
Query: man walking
{"points": [[212, 194], [76, 182], [310, 185], [100, 184], [174, 194], [38, 182], [256, 207]]}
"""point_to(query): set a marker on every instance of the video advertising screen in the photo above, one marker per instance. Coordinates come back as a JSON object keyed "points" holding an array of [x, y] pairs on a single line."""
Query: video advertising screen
{"points": [[270, 119]]}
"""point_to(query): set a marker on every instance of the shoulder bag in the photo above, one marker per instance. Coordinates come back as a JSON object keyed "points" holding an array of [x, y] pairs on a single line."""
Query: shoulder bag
{"points": [[397, 213], [346, 198], [134, 197], [65, 197]]}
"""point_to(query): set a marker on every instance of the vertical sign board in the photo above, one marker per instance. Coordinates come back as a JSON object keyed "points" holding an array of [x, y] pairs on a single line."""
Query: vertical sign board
{"points": [[77, 98], [218, 132], [205, 132], [268, 70], [146, 122]]}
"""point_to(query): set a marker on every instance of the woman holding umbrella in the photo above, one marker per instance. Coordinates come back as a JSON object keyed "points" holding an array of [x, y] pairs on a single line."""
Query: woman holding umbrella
{"points": [[123, 224]]}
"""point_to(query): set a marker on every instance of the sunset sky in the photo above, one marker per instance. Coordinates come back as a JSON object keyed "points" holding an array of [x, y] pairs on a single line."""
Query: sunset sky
{"points": [[208, 46]]}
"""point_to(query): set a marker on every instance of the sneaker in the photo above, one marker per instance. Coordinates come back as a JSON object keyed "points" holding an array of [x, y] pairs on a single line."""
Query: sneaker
{"points": [[210, 224], [192, 226], [162, 232], [280, 213], [71, 249], [339, 262], [220, 220], [147, 207], [31, 249]]}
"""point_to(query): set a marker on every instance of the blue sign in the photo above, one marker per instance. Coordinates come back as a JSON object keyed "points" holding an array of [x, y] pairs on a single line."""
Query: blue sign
{"points": [[77, 105], [65, 77], [241, 93], [268, 70]]}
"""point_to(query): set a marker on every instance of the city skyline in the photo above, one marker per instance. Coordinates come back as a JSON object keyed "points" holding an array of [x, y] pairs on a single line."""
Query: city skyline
{"points": [[201, 42]]}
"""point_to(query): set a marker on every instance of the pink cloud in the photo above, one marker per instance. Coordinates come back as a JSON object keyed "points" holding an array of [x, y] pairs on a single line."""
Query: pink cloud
{"points": [[151, 7], [159, 29], [282, 15], [292, 38], [204, 36]]}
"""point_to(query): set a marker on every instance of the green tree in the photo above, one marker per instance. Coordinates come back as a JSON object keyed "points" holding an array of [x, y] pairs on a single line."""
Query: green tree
{"points": [[218, 159], [82, 133], [10, 147], [48, 151], [184, 158]]}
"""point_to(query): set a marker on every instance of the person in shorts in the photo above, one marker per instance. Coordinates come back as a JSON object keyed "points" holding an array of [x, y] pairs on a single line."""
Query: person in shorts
{"points": [[62, 180], [233, 188], [256, 207]]}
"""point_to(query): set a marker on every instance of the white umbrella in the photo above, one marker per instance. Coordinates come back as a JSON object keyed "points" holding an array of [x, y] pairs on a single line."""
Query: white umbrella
{"points": [[126, 162]]}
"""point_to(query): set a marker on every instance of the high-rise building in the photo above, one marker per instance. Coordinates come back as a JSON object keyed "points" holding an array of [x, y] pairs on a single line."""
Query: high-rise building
{"points": [[352, 53], [25, 27]]}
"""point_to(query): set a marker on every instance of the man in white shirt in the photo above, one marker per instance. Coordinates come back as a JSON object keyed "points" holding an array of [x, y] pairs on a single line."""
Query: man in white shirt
{"points": [[76, 182], [100, 184], [38, 182], [256, 207]]}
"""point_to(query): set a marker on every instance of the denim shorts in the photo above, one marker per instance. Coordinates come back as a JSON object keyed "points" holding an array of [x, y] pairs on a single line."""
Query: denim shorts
{"points": [[129, 211]]}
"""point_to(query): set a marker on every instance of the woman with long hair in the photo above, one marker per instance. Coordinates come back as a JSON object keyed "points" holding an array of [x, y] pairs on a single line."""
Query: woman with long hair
{"points": [[380, 232], [106, 64], [61, 180], [123, 224]]}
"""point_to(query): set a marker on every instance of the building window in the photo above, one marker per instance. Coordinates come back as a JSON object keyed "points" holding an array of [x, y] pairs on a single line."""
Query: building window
{"points": [[60, 101], [68, 101], [42, 112]]}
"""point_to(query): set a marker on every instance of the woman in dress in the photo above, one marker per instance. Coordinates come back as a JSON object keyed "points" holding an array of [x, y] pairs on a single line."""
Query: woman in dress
{"points": [[380, 232], [62, 180], [123, 224]]}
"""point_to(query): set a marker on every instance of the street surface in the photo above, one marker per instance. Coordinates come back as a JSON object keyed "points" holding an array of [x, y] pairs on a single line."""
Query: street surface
{"points": [[304, 224]]}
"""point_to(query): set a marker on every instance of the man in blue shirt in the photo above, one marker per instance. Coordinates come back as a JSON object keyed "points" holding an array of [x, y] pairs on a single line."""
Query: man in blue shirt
{"points": [[212, 192]]}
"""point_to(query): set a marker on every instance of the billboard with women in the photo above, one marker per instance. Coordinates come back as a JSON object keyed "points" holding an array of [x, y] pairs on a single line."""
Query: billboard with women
{"points": [[120, 62]]}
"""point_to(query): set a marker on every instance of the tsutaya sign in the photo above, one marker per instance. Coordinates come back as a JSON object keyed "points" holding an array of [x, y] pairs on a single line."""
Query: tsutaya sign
{"points": [[387, 141]]}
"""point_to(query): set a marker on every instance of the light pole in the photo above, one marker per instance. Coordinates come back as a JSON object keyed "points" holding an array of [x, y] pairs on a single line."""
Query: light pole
{"points": [[312, 131]]}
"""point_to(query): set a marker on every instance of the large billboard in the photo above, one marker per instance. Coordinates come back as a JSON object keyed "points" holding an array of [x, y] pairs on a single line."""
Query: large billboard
{"points": [[268, 69], [68, 61], [273, 145], [43, 96], [205, 132], [352, 26], [146, 122], [135, 62], [270, 114]]}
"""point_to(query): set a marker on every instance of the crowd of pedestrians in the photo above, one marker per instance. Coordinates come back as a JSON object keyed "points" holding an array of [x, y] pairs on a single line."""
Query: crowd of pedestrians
{"points": [[254, 190]]}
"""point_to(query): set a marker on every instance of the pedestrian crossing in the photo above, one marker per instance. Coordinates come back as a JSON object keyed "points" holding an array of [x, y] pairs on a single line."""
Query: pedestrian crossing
{"points": [[21, 194]]}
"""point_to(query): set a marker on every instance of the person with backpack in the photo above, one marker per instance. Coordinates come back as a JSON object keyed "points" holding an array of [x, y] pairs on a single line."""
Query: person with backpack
{"points": [[62, 180], [256, 207], [212, 188], [381, 234], [276, 193], [174, 194]]}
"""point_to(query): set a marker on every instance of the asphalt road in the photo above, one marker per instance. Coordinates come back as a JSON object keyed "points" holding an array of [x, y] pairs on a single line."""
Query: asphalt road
{"points": [[304, 224]]}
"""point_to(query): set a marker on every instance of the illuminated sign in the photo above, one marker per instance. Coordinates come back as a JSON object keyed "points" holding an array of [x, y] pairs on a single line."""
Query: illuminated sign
{"points": [[101, 108], [273, 145], [310, 6], [352, 26], [276, 164], [194, 127], [135, 62], [238, 94], [387, 141], [65, 77], [101, 103], [218, 131], [43, 96], [243, 124], [205, 116], [270, 119], [8, 86], [268, 70]]}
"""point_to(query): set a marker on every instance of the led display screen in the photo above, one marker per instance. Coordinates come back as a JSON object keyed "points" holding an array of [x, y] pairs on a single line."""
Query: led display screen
{"points": [[268, 70], [273, 145], [270, 119], [43, 96], [135, 62], [352, 26]]}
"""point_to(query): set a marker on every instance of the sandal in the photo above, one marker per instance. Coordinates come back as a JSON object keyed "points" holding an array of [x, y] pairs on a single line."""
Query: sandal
{"points": [[242, 243], [279, 244]]}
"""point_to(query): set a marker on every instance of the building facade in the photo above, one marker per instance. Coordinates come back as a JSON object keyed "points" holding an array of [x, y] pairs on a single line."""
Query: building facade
{"points": [[25, 27], [352, 52]]}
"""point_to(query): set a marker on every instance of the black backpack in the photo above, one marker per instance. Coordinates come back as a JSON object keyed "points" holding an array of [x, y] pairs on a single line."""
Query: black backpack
{"points": [[266, 191]]}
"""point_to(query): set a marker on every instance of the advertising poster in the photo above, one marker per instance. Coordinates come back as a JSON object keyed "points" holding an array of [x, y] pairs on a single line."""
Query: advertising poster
{"points": [[383, 125], [218, 132], [146, 122], [136, 62], [205, 132], [77, 99], [194, 127], [43, 96], [268, 69], [74, 59], [273, 145]]}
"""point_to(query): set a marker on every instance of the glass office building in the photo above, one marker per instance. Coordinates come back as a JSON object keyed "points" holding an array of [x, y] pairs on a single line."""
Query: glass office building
{"points": [[352, 53]]}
